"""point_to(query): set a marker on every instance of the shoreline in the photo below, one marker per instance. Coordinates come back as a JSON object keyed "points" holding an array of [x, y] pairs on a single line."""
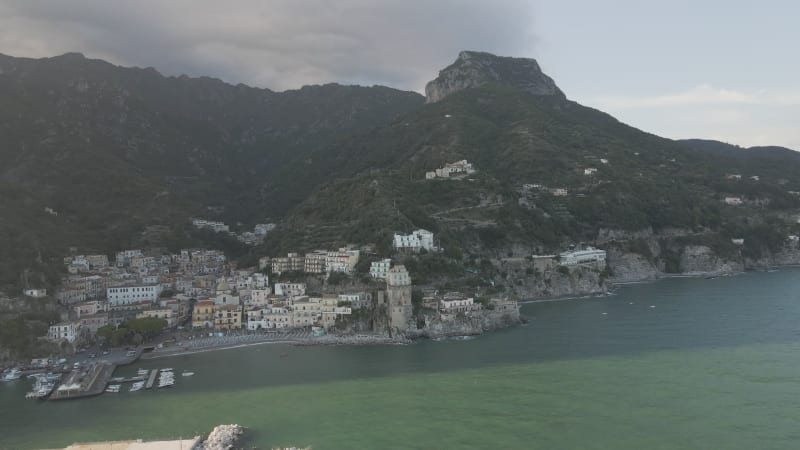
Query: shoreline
{"points": [[619, 284], [386, 340]]}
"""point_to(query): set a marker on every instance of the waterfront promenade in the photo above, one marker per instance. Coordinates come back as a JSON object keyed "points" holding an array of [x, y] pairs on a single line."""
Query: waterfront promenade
{"points": [[244, 339]]}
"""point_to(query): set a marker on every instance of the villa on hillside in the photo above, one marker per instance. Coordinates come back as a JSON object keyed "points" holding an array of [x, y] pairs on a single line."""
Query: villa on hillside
{"points": [[458, 168], [414, 242]]}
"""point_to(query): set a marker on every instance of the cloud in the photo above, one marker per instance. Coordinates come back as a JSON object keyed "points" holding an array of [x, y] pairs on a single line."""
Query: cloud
{"points": [[278, 44], [701, 95]]}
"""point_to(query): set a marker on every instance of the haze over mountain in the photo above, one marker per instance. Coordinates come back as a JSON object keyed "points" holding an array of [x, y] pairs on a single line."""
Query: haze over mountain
{"points": [[115, 150]]}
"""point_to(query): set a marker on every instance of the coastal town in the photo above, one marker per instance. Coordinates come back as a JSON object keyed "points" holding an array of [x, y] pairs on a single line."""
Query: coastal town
{"points": [[155, 301]]}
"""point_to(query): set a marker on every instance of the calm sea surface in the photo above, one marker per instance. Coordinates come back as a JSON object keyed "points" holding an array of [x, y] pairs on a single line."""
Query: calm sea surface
{"points": [[681, 363]]}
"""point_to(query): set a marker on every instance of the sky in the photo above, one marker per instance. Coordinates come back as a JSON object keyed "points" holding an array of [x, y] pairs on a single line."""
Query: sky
{"points": [[725, 70]]}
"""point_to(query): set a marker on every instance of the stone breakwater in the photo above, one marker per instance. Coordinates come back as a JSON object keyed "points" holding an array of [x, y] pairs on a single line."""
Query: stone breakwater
{"points": [[222, 437]]}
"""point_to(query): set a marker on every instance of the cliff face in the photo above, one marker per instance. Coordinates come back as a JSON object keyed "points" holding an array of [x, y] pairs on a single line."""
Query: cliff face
{"points": [[464, 325], [473, 69], [701, 260], [628, 267], [522, 280]]}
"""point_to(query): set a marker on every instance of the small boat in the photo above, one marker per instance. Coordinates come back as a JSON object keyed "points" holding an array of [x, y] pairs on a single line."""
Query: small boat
{"points": [[187, 374], [168, 369], [113, 388], [13, 374], [138, 386]]}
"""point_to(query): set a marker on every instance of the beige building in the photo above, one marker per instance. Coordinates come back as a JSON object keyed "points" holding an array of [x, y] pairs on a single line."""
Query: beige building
{"points": [[290, 263], [315, 261], [306, 311], [203, 314], [159, 313], [93, 322], [227, 317]]}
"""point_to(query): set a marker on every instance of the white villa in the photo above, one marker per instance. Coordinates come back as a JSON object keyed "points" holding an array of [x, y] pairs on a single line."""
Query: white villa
{"points": [[416, 241]]}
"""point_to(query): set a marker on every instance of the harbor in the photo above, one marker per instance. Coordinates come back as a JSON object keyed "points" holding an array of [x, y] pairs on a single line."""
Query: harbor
{"points": [[91, 378]]}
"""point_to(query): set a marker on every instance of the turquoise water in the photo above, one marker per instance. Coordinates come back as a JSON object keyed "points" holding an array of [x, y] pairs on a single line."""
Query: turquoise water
{"points": [[713, 364]]}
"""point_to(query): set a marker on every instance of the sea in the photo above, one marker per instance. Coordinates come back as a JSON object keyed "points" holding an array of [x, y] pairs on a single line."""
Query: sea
{"points": [[685, 363]]}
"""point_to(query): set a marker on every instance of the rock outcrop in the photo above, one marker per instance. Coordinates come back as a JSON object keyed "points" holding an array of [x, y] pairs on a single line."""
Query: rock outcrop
{"points": [[629, 267], [474, 69], [470, 324], [222, 437], [701, 260]]}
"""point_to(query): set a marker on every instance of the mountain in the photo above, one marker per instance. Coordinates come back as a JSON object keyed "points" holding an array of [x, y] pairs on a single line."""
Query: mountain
{"points": [[517, 135], [475, 69], [113, 150], [125, 156]]}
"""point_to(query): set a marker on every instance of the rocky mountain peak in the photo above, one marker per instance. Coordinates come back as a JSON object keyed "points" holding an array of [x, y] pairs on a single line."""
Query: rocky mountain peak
{"points": [[474, 69]]}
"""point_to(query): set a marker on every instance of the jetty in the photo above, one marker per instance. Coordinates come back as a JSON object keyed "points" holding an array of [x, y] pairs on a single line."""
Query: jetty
{"points": [[152, 379], [91, 380]]}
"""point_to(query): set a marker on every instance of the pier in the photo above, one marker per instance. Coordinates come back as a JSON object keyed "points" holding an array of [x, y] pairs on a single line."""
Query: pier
{"points": [[152, 379]]}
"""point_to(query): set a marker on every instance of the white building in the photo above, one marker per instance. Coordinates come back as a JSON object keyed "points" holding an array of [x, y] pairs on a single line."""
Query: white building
{"points": [[35, 293], [290, 289], [457, 168], [417, 240], [458, 304], [590, 255], [126, 295], [733, 201], [359, 300], [68, 331], [590, 171], [379, 269], [559, 192]]}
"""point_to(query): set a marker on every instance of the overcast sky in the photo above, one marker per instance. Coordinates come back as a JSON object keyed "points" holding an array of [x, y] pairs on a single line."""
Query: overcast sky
{"points": [[718, 69]]}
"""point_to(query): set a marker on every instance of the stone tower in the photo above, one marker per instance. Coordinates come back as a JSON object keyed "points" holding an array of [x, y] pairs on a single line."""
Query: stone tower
{"points": [[398, 297]]}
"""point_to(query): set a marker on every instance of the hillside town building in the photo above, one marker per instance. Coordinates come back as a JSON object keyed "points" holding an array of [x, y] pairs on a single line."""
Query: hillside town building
{"points": [[380, 269], [414, 242], [293, 262], [64, 331], [125, 295]]}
